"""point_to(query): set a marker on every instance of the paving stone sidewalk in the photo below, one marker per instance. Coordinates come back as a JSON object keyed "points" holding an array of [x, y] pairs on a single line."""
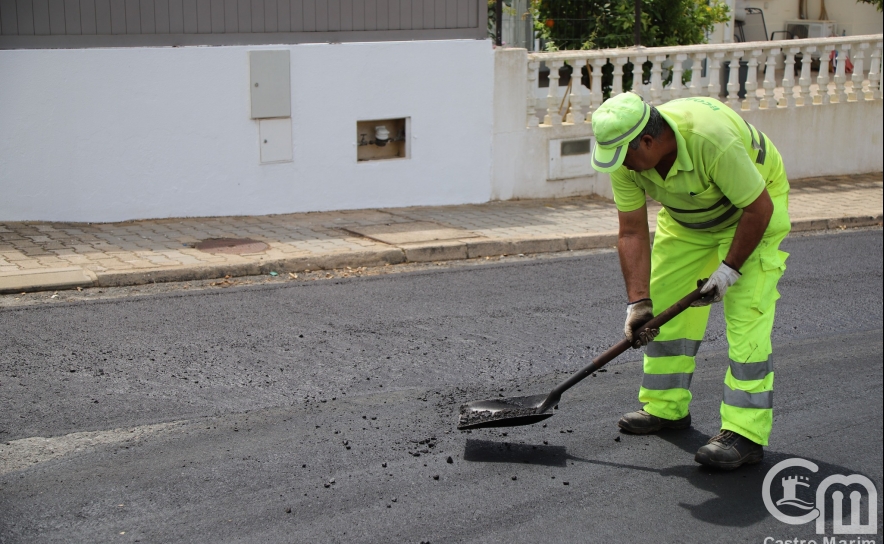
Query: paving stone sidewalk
{"points": [[55, 255]]}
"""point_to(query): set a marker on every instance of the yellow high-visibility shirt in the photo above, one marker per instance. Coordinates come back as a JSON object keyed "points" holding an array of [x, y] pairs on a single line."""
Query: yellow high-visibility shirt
{"points": [[723, 165]]}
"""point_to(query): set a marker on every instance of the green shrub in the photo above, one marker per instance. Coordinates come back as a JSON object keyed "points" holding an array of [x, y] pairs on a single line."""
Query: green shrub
{"points": [[603, 24]]}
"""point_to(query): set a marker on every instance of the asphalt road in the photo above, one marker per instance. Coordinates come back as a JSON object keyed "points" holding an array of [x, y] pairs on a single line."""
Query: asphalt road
{"points": [[325, 411]]}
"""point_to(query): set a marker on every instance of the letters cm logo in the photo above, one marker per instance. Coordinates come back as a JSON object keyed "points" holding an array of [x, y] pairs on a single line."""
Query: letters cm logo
{"points": [[818, 512]]}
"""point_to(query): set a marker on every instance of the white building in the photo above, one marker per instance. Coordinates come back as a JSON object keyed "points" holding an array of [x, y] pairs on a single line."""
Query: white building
{"points": [[125, 109]]}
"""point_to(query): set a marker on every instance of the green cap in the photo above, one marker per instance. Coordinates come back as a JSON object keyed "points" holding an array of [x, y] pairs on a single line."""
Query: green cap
{"points": [[616, 123]]}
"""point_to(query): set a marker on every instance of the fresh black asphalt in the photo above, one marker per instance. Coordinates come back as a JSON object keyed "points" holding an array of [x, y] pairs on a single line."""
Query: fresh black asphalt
{"points": [[326, 411]]}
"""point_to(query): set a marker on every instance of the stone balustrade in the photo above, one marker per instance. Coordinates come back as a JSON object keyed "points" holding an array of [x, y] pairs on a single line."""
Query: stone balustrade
{"points": [[696, 70]]}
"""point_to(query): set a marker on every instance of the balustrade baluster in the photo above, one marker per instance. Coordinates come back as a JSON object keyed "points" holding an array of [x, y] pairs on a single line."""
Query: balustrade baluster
{"points": [[769, 83], [575, 112], [840, 91], [804, 98], [638, 84], [531, 95], [553, 117], [822, 79], [733, 81], [617, 86], [859, 93], [656, 89], [788, 100], [751, 100], [676, 86], [875, 72], [713, 65], [596, 93], [696, 68]]}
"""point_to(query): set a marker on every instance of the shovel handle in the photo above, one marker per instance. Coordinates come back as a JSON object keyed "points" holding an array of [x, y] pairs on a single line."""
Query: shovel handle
{"points": [[658, 321]]}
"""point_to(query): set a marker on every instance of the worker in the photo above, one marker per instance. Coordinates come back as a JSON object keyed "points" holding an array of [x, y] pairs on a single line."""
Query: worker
{"points": [[725, 195]]}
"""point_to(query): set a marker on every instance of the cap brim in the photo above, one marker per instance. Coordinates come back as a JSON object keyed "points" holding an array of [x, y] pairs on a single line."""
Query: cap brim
{"points": [[608, 160]]}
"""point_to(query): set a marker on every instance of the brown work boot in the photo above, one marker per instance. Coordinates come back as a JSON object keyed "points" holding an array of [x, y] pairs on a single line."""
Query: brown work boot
{"points": [[728, 450], [642, 422]]}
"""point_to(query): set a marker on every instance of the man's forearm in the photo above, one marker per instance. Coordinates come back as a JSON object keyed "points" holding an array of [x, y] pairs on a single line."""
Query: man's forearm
{"points": [[635, 262], [634, 247], [750, 230]]}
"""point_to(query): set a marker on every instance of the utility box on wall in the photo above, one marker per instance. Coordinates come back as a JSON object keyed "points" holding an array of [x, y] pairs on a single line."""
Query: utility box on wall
{"points": [[271, 103], [570, 158], [270, 83], [382, 139]]}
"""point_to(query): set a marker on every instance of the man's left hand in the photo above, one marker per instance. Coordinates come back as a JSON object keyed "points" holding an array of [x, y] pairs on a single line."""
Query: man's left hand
{"points": [[717, 284]]}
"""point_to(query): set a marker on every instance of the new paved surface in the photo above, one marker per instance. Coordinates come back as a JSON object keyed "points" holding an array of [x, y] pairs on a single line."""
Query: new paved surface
{"points": [[45, 255], [324, 411]]}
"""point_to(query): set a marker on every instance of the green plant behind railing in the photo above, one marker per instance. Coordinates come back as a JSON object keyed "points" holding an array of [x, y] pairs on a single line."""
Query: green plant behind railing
{"points": [[603, 24]]}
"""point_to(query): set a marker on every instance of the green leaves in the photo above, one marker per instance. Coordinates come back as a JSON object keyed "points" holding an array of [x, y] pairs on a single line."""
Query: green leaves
{"points": [[584, 24]]}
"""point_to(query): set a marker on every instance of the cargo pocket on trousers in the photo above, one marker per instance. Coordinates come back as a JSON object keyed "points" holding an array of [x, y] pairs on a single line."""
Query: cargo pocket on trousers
{"points": [[772, 268]]}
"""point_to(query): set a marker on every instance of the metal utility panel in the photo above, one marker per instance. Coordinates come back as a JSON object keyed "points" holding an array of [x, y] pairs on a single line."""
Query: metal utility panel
{"points": [[270, 84], [276, 140], [570, 158]]}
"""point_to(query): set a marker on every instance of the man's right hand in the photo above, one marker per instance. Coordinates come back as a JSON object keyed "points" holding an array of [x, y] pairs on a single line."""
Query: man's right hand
{"points": [[637, 314]]}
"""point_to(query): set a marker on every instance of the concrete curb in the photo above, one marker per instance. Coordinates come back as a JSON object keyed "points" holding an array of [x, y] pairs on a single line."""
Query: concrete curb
{"points": [[46, 279], [444, 250], [300, 264]]}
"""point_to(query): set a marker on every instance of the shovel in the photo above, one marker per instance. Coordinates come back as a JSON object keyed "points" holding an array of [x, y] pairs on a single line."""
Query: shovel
{"points": [[514, 411]]}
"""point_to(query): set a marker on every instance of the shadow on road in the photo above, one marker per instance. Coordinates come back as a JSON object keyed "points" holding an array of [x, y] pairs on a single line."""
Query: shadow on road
{"points": [[487, 451], [738, 494]]}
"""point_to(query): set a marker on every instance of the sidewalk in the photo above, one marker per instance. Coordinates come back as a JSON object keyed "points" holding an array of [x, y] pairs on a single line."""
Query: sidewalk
{"points": [[38, 256]]}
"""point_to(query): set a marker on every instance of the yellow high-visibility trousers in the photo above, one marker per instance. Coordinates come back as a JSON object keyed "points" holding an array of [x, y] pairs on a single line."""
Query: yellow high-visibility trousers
{"points": [[679, 258]]}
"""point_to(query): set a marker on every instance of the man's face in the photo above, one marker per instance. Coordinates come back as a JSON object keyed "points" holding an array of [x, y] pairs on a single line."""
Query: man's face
{"points": [[644, 157]]}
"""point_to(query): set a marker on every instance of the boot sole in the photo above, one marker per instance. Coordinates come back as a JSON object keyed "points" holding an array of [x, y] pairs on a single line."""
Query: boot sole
{"points": [[750, 459], [675, 425]]}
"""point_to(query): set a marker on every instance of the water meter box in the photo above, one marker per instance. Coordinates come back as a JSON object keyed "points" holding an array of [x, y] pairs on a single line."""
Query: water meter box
{"points": [[382, 139]]}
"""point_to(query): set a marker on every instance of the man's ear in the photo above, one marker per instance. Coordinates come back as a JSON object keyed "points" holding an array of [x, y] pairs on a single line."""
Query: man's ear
{"points": [[647, 141]]}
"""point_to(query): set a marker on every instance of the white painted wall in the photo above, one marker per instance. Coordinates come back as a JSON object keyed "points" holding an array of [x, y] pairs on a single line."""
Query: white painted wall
{"points": [[114, 134], [521, 156], [837, 139]]}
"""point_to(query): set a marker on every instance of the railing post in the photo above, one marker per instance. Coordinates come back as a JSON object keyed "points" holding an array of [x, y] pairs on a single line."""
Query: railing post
{"points": [[788, 100], [875, 72], [676, 86], [840, 92], [553, 117], [638, 86], [656, 78], [597, 94], [769, 83], [751, 101], [696, 67], [575, 112], [713, 65], [617, 86], [733, 81], [531, 97], [857, 77], [822, 80], [804, 79]]}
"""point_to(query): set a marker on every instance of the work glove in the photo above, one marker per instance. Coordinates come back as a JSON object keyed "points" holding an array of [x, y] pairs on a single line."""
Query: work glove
{"points": [[637, 314], [716, 286]]}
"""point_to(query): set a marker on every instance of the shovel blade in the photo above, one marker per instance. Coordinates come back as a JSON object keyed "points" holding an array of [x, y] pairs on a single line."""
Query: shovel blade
{"points": [[502, 412]]}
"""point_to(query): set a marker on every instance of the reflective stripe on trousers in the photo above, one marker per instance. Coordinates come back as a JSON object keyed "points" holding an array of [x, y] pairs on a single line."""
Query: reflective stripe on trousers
{"points": [[681, 256]]}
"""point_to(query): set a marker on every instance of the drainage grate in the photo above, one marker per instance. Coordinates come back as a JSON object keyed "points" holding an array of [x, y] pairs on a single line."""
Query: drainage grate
{"points": [[231, 246]]}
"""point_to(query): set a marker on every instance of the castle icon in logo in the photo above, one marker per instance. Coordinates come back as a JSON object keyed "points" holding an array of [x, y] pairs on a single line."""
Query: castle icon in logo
{"points": [[790, 483], [817, 510]]}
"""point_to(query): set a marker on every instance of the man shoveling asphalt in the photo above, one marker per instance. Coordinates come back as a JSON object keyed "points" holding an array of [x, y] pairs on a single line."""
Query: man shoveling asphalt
{"points": [[725, 211]]}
